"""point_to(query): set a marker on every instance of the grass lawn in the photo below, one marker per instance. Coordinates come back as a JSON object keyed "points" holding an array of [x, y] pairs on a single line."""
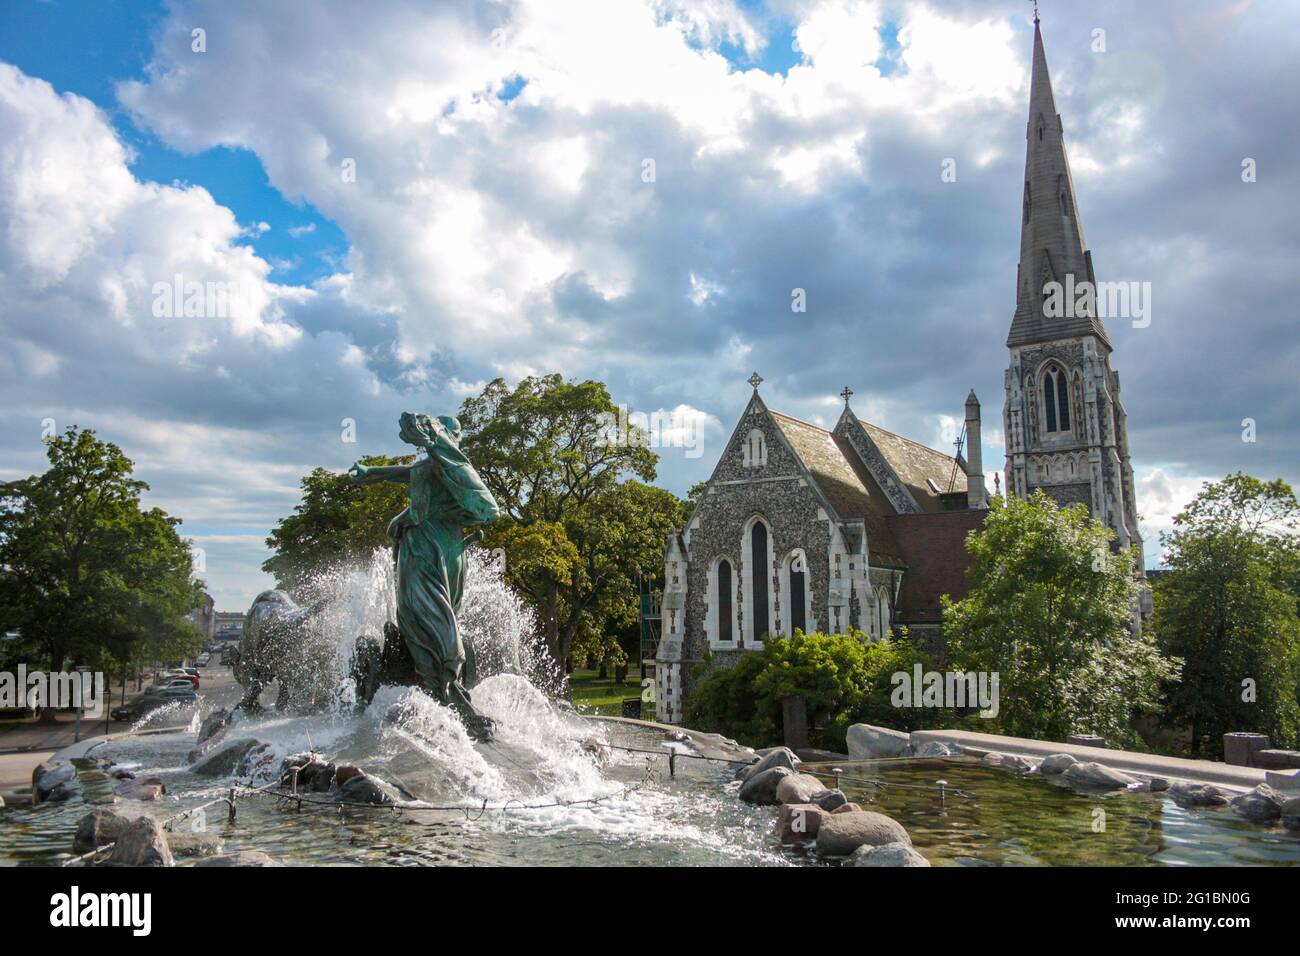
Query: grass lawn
{"points": [[592, 695]]}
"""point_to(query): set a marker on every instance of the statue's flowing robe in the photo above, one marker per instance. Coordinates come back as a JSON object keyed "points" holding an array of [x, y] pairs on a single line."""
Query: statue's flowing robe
{"points": [[446, 496]]}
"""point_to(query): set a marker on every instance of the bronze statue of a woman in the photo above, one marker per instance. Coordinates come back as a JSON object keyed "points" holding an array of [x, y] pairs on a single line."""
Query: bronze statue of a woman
{"points": [[447, 495]]}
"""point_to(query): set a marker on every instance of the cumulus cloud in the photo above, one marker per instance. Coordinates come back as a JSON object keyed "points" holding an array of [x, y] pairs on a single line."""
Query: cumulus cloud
{"points": [[614, 189]]}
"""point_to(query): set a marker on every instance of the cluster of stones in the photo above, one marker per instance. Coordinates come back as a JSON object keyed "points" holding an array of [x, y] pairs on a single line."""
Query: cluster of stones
{"points": [[1264, 804], [812, 814]]}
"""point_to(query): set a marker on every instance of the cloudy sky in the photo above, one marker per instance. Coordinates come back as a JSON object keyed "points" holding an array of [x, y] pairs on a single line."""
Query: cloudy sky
{"points": [[412, 198]]}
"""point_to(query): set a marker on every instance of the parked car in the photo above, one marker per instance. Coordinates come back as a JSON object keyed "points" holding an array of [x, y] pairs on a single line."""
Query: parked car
{"points": [[179, 673], [176, 683], [202, 660], [153, 701]]}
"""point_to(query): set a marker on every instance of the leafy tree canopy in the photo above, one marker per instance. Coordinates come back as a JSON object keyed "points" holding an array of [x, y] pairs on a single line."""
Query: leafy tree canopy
{"points": [[1227, 605], [1049, 609], [90, 577]]}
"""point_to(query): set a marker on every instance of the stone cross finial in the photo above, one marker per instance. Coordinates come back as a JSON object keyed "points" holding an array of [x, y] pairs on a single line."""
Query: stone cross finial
{"points": [[755, 380], [846, 395], [1035, 3]]}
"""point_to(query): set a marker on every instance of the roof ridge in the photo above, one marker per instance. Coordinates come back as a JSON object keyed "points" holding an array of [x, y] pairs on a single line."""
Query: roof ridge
{"points": [[910, 441]]}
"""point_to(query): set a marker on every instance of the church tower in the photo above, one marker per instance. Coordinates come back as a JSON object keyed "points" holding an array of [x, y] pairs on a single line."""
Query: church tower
{"points": [[1065, 426]]}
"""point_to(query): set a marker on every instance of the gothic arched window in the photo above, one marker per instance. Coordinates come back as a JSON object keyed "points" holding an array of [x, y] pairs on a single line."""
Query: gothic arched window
{"points": [[724, 600], [797, 594], [758, 587], [1056, 399]]}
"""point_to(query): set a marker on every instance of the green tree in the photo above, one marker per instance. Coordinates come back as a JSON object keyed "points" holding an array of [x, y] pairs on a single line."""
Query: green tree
{"points": [[843, 679], [89, 576], [1049, 609], [577, 526], [1228, 607], [337, 520]]}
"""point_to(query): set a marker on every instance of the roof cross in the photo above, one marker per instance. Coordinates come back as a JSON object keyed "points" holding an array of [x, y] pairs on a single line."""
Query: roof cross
{"points": [[846, 395], [755, 380]]}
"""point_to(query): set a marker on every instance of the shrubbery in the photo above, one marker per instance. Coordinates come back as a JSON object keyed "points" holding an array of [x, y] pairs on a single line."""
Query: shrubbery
{"points": [[844, 678]]}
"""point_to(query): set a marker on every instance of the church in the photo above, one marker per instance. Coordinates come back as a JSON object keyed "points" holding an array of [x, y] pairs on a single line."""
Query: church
{"points": [[801, 528]]}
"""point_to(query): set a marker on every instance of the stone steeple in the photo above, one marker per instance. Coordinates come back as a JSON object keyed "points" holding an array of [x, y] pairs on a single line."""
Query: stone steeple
{"points": [[1065, 426], [1051, 233]]}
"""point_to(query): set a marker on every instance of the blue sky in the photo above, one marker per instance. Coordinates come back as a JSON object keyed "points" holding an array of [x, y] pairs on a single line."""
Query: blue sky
{"points": [[498, 222]]}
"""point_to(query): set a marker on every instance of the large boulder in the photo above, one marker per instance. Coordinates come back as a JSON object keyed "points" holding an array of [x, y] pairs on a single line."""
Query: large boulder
{"points": [[314, 772], [799, 822], [937, 748], [842, 833], [100, 828], [1056, 763], [141, 788], [53, 781], [1012, 763], [798, 788], [1197, 795], [1261, 805], [848, 808], [1091, 775], [369, 789], [761, 787], [224, 760], [867, 742], [242, 858], [890, 854], [774, 757], [830, 800], [143, 844]]}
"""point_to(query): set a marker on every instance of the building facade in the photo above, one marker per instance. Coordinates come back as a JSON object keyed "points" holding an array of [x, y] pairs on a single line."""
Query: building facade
{"points": [[800, 528]]}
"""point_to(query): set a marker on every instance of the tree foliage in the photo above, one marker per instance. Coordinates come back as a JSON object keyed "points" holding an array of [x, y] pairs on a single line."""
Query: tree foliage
{"points": [[338, 520], [1228, 606], [843, 678], [1049, 609], [88, 576], [578, 527]]}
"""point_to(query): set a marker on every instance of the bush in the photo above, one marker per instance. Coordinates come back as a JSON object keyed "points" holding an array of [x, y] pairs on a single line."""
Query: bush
{"points": [[844, 678]]}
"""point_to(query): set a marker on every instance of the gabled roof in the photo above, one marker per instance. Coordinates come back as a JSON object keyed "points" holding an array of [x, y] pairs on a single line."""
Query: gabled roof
{"points": [[914, 463], [844, 484]]}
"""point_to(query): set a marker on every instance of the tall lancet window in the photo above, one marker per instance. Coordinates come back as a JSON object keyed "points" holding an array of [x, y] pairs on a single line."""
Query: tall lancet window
{"points": [[1056, 399], [758, 559], [724, 600]]}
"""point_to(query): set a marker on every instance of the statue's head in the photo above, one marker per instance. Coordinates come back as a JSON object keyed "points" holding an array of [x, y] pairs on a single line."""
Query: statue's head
{"points": [[416, 428]]}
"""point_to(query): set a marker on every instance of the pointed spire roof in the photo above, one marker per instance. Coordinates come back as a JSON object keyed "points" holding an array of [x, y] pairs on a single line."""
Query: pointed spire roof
{"points": [[1051, 233]]}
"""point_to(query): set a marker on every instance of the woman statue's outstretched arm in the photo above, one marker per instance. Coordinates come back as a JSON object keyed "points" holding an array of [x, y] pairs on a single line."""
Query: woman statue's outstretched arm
{"points": [[368, 475]]}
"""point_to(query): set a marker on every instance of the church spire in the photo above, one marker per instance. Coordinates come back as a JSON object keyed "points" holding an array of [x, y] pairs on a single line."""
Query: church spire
{"points": [[1051, 234]]}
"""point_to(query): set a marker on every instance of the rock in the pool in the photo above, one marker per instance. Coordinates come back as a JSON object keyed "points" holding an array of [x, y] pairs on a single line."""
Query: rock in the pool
{"points": [[830, 800], [223, 760], [848, 808], [842, 833], [1197, 795], [761, 787], [100, 828], [890, 854], [1261, 805], [54, 781], [368, 789], [1095, 776], [799, 822], [186, 844], [798, 788], [868, 742], [937, 748], [776, 757], [143, 844], [1056, 763], [1012, 763]]}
